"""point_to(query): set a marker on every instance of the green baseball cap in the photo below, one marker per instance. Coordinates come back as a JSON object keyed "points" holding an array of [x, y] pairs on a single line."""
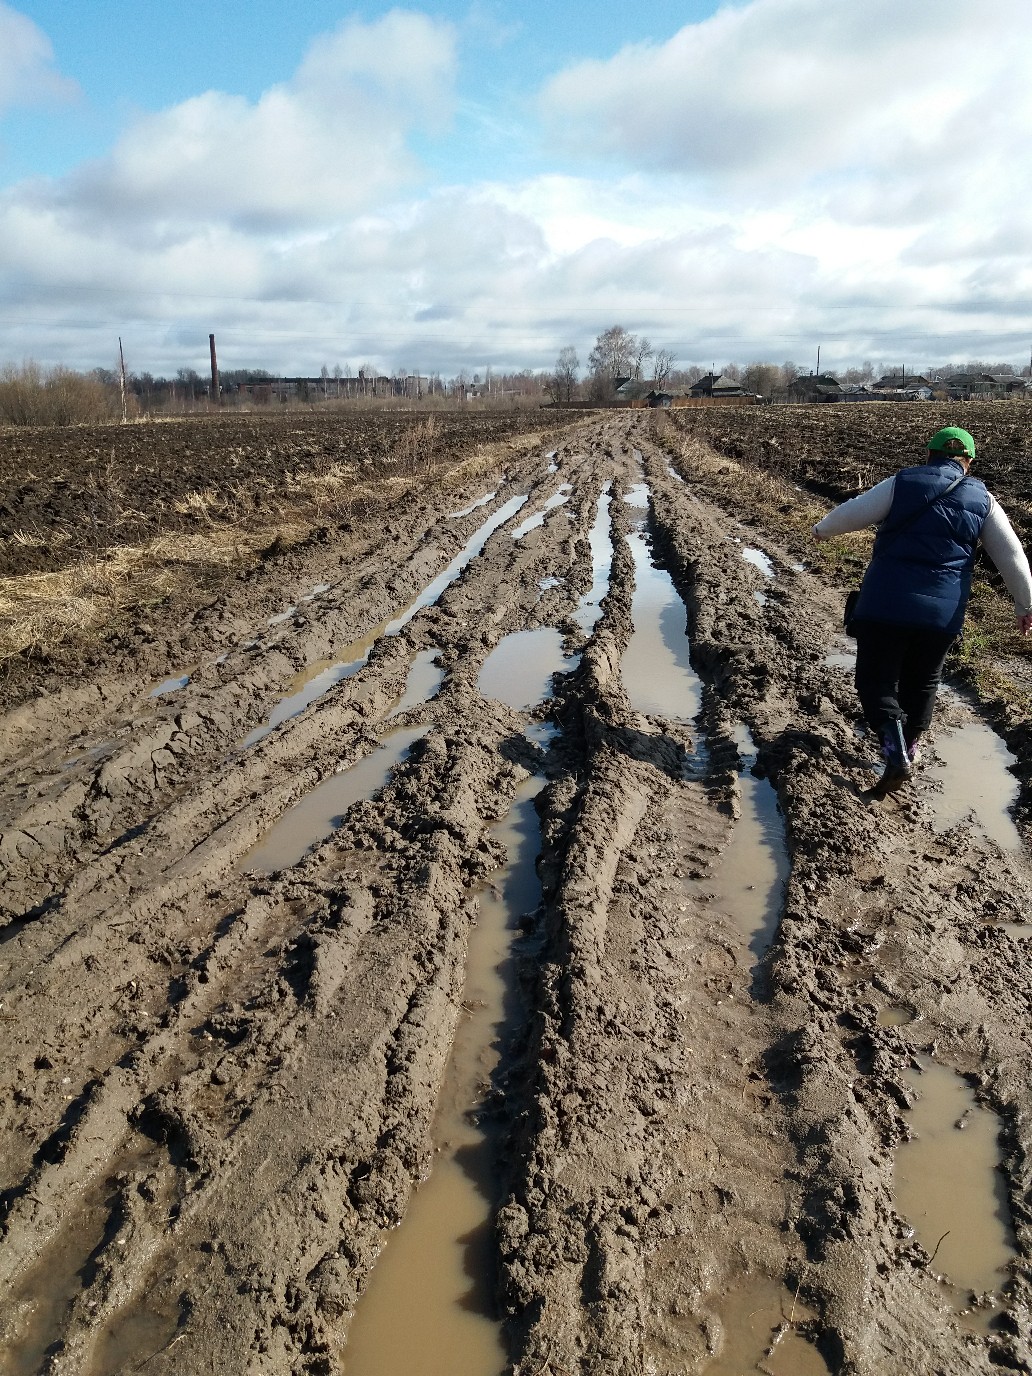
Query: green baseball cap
{"points": [[953, 440]]}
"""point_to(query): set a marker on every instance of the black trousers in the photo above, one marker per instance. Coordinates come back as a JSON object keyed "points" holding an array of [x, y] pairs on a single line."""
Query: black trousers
{"points": [[898, 671]]}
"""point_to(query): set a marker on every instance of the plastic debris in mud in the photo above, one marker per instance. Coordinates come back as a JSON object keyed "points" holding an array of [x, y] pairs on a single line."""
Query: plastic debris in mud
{"points": [[428, 1307]]}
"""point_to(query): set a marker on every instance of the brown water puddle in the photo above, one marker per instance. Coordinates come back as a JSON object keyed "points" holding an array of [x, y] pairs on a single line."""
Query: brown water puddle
{"points": [[949, 1186], [894, 1016], [752, 873], [538, 519], [356, 655], [43, 1301], [601, 545], [423, 683], [320, 812], [428, 1307], [519, 670], [656, 669], [976, 781], [759, 1336], [128, 1341], [41, 1304]]}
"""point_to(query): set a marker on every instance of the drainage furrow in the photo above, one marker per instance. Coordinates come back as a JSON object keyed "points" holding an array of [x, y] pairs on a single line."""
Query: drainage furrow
{"points": [[429, 1307]]}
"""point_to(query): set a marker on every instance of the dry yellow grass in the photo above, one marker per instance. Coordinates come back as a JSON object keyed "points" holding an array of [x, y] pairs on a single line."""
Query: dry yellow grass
{"points": [[40, 611]]}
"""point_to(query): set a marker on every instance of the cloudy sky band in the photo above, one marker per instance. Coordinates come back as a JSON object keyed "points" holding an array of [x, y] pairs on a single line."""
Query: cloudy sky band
{"points": [[769, 175]]}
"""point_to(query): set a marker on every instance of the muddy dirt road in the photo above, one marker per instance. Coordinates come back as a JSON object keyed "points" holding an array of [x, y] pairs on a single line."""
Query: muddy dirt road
{"points": [[741, 1071]]}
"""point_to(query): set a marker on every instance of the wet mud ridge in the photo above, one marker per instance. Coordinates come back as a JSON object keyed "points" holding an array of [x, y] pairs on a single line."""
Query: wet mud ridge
{"points": [[470, 865]]}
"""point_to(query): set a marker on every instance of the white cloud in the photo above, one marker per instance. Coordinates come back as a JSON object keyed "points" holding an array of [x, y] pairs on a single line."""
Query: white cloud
{"points": [[784, 173], [27, 75], [327, 143], [786, 90]]}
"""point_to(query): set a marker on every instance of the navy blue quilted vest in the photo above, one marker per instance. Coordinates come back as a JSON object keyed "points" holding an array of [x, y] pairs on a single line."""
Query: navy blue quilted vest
{"points": [[922, 576]]}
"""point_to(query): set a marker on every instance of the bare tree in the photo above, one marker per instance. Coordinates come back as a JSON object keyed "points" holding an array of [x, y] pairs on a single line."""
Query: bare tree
{"points": [[762, 379], [662, 363], [564, 380], [613, 354], [642, 352]]}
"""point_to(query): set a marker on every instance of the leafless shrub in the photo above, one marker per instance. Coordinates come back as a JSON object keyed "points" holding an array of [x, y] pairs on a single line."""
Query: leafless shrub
{"points": [[31, 395]]}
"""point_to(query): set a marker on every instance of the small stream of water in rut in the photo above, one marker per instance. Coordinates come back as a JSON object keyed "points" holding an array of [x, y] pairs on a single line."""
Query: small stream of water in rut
{"points": [[428, 1308], [355, 656]]}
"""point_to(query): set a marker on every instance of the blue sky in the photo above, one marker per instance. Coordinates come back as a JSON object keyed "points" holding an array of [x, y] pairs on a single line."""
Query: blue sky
{"points": [[449, 186]]}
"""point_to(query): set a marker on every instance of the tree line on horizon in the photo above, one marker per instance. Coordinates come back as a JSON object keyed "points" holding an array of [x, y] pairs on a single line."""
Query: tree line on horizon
{"points": [[617, 353], [34, 395]]}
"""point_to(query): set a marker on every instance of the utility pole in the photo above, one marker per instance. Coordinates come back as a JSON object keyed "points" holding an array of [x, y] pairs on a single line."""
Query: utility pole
{"points": [[216, 392], [121, 377], [818, 360]]}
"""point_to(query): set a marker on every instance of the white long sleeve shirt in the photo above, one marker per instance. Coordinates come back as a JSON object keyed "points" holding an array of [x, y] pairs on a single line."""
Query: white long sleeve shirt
{"points": [[998, 538]]}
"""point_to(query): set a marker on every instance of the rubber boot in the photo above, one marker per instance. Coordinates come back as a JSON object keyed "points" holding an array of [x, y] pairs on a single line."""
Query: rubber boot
{"points": [[897, 757]]}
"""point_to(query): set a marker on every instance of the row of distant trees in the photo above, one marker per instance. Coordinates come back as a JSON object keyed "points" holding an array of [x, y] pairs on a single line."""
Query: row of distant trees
{"points": [[31, 395], [617, 353]]}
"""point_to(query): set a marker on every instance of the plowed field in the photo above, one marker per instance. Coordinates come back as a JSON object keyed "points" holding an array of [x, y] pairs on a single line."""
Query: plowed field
{"points": [[240, 889]]}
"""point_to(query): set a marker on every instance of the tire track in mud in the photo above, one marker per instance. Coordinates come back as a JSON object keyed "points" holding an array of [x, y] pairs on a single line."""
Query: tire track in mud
{"points": [[221, 1085]]}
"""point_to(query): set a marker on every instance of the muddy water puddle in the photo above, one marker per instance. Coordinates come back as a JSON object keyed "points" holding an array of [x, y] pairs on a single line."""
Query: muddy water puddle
{"points": [[424, 681], [428, 1308], [38, 1313], [894, 1016], [519, 670], [320, 812], [976, 782], [468, 510], [40, 1306], [356, 655], [752, 873], [760, 1336], [601, 545], [538, 519], [656, 669], [170, 685], [759, 560], [949, 1185]]}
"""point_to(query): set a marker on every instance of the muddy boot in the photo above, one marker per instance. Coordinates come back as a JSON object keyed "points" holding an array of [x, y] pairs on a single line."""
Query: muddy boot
{"points": [[897, 757]]}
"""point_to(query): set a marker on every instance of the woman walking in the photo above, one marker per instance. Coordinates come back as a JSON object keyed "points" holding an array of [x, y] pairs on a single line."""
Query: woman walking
{"points": [[930, 520]]}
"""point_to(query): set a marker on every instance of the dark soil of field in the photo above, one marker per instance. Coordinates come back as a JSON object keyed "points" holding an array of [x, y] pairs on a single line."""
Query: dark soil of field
{"points": [[218, 1080], [838, 450], [76, 492]]}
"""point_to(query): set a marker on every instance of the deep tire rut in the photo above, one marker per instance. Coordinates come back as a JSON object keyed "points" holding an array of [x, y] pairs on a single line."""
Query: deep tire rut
{"points": [[220, 1083]]}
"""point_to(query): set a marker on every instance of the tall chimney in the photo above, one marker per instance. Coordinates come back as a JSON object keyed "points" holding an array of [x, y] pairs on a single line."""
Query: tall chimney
{"points": [[216, 391]]}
